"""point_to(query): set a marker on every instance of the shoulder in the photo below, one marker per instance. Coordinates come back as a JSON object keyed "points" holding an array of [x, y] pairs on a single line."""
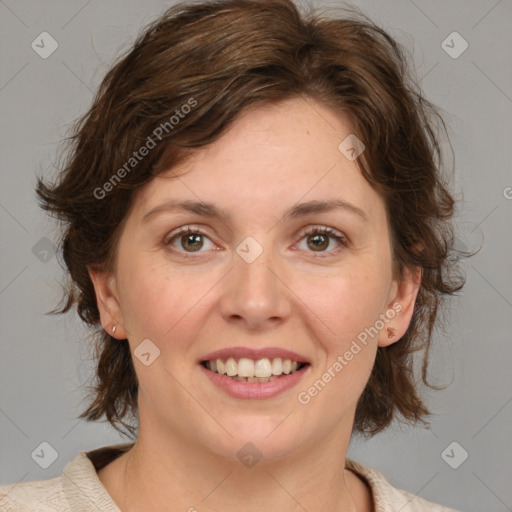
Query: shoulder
{"points": [[388, 498], [41, 495], [77, 488]]}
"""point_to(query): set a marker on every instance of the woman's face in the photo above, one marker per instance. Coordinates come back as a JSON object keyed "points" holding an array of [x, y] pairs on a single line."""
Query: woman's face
{"points": [[259, 278]]}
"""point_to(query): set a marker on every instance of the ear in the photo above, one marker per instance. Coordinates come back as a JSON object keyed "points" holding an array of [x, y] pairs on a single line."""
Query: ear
{"points": [[108, 303], [402, 300]]}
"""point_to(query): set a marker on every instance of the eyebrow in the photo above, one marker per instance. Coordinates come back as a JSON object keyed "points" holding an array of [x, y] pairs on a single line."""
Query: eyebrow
{"points": [[206, 209]]}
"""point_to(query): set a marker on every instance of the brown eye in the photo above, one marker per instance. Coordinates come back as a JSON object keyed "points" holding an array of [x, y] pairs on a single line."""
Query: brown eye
{"points": [[318, 241], [192, 242], [186, 240]]}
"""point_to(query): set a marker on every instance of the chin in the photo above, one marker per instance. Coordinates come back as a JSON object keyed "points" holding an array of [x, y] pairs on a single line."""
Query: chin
{"points": [[259, 436]]}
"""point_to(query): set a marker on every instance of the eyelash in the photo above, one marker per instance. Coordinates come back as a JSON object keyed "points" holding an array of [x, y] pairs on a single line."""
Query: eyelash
{"points": [[320, 230]]}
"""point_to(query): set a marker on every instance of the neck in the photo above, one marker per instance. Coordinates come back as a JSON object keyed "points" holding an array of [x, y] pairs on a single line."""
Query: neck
{"points": [[163, 471]]}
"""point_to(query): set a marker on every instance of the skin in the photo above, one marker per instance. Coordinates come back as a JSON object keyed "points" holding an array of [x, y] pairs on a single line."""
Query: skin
{"points": [[291, 297]]}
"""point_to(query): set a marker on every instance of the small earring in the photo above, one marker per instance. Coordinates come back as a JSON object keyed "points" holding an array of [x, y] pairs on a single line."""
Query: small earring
{"points": [[391, 332], [114, 329]]}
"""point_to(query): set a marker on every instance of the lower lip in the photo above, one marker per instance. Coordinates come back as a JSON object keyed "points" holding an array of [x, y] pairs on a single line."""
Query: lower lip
{"points": [[255, 390]]}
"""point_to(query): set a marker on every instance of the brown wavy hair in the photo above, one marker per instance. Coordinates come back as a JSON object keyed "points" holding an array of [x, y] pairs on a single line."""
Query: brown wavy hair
{"points": [[221, 58]]}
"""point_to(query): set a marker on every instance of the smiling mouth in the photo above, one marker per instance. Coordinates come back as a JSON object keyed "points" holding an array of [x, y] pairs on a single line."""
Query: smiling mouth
{"points": [[249, 370]]}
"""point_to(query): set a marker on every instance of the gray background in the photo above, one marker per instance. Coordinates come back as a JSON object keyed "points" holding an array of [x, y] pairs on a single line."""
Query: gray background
{"points": [[45, 360]]}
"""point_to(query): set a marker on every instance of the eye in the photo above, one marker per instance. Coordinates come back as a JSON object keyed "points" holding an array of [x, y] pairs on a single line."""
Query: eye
{"points": [[190, 239], [318, 239]]}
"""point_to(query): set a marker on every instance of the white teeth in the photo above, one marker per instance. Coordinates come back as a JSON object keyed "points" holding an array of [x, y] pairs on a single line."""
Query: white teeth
{"points": [[248, 370], [263, 368], [254, 379], [277, 366], [231, 367]]}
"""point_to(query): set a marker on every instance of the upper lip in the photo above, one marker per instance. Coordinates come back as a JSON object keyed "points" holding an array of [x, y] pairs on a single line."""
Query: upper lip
{"points": [[255, 354]]}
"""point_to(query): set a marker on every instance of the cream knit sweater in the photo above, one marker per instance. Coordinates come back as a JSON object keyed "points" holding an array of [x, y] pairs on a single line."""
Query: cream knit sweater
{"points": [[78, 489]]}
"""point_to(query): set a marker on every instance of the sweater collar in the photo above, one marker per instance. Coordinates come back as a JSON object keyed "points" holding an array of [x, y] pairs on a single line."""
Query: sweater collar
{"points": [[85, 492]]}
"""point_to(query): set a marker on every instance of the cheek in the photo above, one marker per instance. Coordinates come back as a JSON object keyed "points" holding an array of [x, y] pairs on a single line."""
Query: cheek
{"points": [[146, 296], [161, 304], [357, 299], [345, 303], [340, 314]]}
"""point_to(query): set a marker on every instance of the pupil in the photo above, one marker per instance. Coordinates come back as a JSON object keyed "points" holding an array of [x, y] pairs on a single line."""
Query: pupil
{"points": [[193, 238], [319, 238]]}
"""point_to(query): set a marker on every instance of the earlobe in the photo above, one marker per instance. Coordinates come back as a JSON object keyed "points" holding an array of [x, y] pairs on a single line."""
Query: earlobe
{"points": [[401, 307], [391, 332], [108, 305]]}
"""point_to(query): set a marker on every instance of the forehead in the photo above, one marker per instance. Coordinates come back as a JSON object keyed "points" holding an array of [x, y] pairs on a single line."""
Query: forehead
{"points": [[270, 157]]}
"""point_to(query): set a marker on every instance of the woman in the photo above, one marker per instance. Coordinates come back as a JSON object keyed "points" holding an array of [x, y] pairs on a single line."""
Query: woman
{"points": [[254, 214]]}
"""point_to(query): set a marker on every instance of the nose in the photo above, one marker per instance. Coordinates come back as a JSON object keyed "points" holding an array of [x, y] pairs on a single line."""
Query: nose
{"points": [[255, 293]]}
